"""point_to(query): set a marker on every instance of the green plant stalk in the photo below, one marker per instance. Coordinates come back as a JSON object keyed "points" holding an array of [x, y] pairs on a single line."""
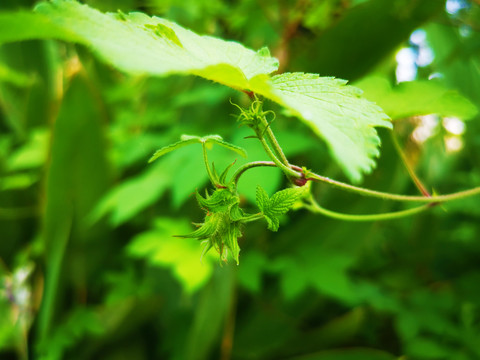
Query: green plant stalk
{"points": [[389, 196], [236, 176], [210, 173], [276, 146], [418, 183], [316, 208], [286, 169], [274, 142], [293, 171], [362, 191], [52, 279], [253, 217]]}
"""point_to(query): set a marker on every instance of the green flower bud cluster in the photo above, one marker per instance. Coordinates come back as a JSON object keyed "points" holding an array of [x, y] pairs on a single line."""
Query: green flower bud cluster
{"points": [[222, 226]]}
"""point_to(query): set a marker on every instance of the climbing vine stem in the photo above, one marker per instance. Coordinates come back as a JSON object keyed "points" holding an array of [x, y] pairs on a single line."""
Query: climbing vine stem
{"points": [[271, 137], [287, 169], [241, 170], [314, 207], [389, 196], [362, 191], [207, 165], [225, 217]]}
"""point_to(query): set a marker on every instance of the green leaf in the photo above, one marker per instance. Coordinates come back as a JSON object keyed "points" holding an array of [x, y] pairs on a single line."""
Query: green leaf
{"points": [[273, 223], [250, 273], [78, 325], [210, 315], [164, 32], [262, 198], [337, 113], [23, 25], [283, 200], [18, 181], [278, 204], [348, 354], [317, 267], [206, 230], [223, 176], [425, 348], [14, 77], [33, 154], [417, 98], [159, 247], [174, 146], [218, 140], [192, 139], [131, 196], [139, 44], [77, 176]]}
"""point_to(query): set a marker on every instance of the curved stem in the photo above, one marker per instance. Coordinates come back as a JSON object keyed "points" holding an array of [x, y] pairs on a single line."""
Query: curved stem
{"points": [[276, 146], [253, 217], [388, 196], [316, 208], [362, 191], [250, 165], [287, 169], [210, 173], [418, 183], [273, 141]]}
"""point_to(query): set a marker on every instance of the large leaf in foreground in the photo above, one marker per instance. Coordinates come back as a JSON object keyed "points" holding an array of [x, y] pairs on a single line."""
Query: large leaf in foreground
{"points": [[23, 25], [137, 43], [337, 113]]}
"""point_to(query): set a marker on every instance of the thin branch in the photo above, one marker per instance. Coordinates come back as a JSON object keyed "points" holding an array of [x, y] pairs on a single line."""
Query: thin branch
{"points": [[389, 196], [418, 183], [274, 142], [316, 208], [432, 200], [236, 176], [210, 173], [287, 169]]}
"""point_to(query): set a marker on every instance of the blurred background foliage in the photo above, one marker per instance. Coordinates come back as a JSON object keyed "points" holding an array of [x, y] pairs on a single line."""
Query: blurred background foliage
{"points": [[89, 268]]}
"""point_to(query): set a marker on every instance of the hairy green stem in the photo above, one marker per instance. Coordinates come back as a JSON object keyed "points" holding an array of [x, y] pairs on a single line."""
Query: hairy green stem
{"points": [[316, 208], [207, 165], [389, 196], [287, 169], [276, 146], [236, 176], [362, 191], [273, 141], [253, 217]]}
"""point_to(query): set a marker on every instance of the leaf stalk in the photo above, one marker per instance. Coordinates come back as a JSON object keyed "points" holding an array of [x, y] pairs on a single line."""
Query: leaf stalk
{"points": [[314, 207]]}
